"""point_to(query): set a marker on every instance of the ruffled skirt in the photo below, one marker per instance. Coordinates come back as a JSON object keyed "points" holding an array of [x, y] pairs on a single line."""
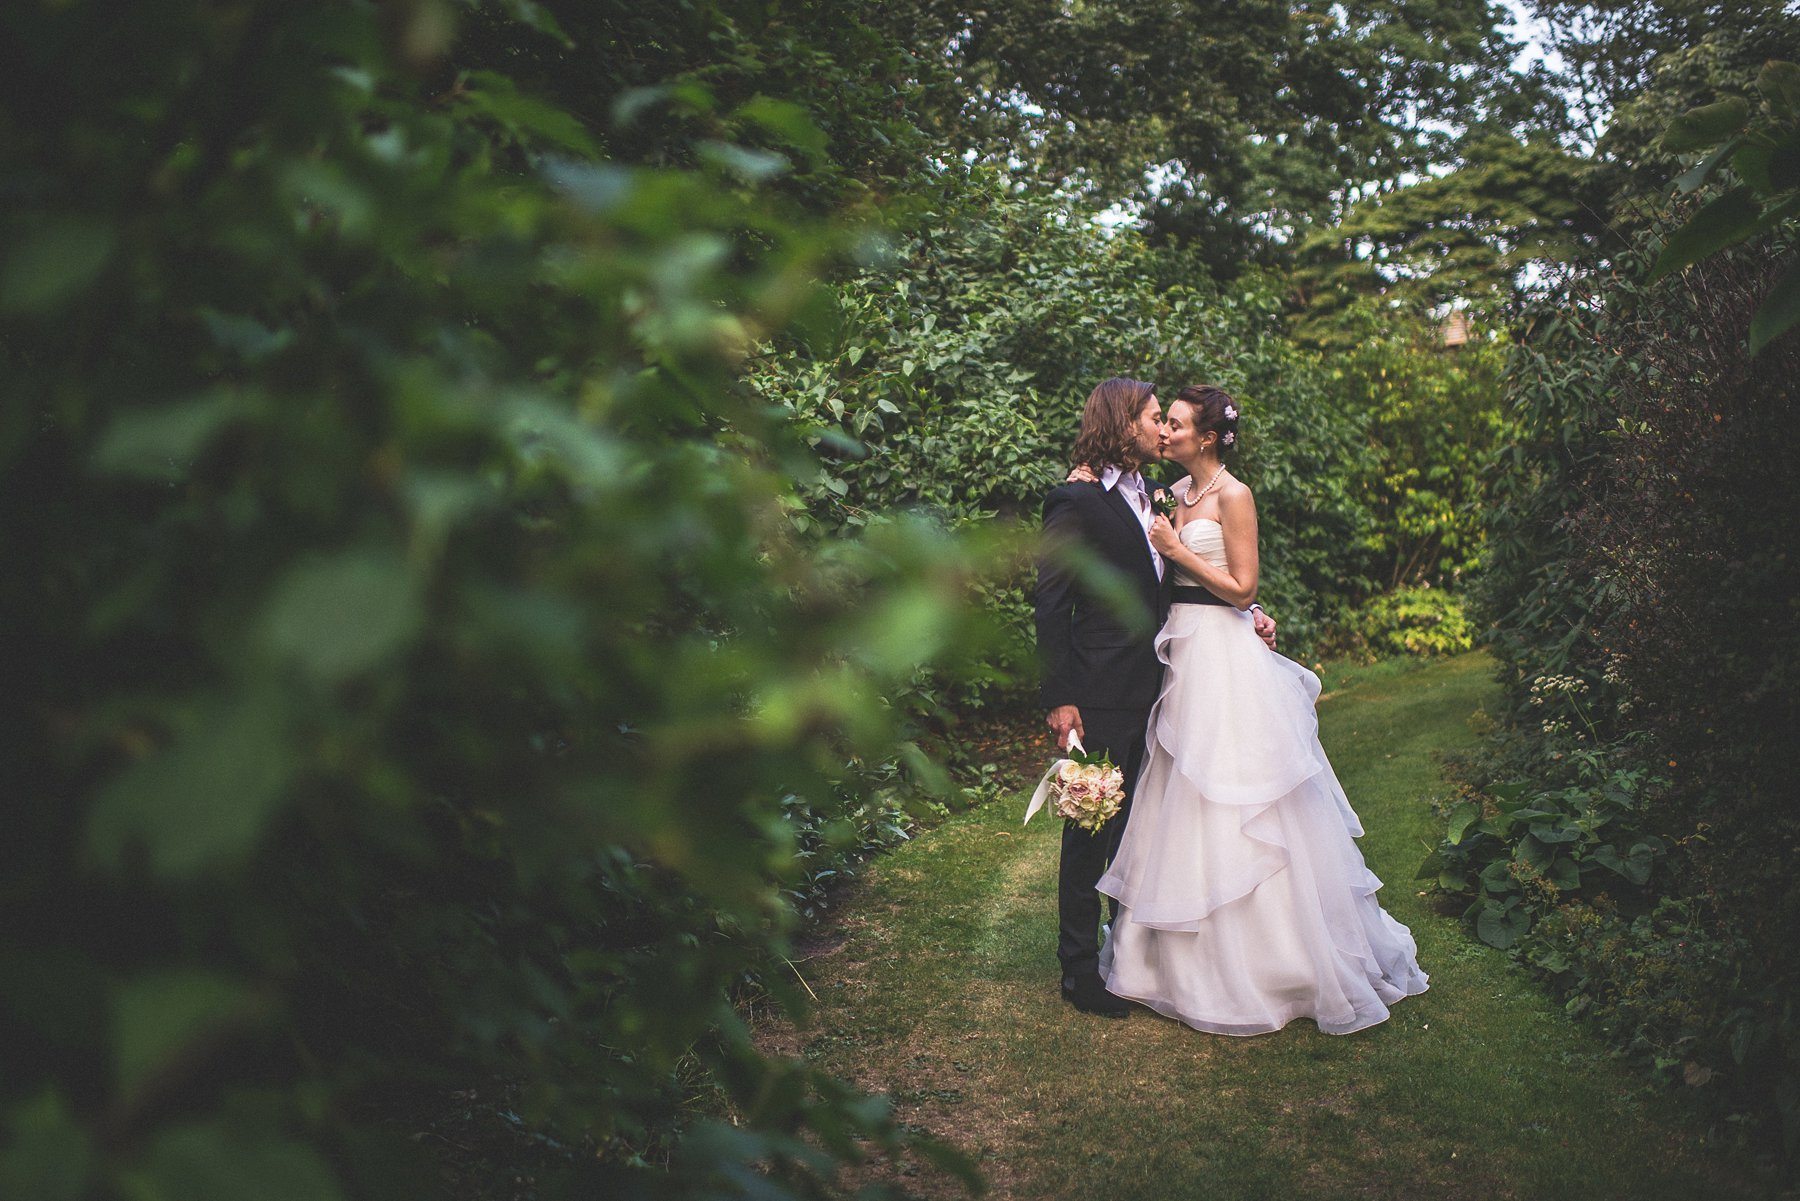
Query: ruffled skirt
{"points": [[1243, 900]]}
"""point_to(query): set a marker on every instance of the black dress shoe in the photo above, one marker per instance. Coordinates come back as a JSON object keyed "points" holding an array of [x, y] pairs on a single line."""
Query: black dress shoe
{"points": [[1089, 995]]}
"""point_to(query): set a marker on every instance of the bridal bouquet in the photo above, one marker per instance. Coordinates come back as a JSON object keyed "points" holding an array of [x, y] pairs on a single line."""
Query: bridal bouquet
{"points": [[1086, 789]]}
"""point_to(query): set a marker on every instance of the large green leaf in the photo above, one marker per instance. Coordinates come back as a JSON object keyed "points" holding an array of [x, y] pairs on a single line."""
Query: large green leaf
{"points": [[1501, 928], [1779, 83], [525, 116], [1778, 312], [49, 1156], [52, 260], [337, 616], [218, 1162], [160, 442], [1721, 222], [1697, 175], [1707, 125], [1461, 818], [207, 798], [155, 1017]]}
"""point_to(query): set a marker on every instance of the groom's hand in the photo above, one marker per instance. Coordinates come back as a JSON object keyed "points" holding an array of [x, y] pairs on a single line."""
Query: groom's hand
{"points": [[1265, 627], [1061, 720]]}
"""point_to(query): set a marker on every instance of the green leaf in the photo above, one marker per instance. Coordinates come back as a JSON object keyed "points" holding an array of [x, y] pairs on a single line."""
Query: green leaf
{"points": [[1639, 861], [1497, 877], [50, 261], [1695, 176], [525, 117], [1547, 833], [156, 1017], [787, 121], [205, 799], [1779, 83], [162, 441], [48, 1155], [216, 1162], [1778, 312], [1565, 873], [1706, 126], [1501, 928], [595, 187], [1532, 851], [536, 16], [1461, 818], [246, 337], [1784, 162], [1720, 223], [747, 163], [337, 616]]}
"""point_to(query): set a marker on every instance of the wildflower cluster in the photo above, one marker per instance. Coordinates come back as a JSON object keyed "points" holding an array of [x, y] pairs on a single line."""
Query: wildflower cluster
{"points": [[1545, 686]]}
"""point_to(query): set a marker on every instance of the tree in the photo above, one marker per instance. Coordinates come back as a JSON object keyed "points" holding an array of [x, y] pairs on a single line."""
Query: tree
{"points": [[1463, 238], [1234, 126]]}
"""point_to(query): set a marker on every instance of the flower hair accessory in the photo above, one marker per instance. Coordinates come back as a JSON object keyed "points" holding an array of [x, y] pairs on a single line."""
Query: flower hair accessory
{"points": [[1230, 413], [1229, 438]]}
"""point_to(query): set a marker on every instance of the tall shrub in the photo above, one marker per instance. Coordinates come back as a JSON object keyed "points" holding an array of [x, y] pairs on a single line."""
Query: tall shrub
{"points": [[1631, 831]]}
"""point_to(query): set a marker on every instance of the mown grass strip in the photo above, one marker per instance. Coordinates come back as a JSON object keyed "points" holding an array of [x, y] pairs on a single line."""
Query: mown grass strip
{"points": [[939, 988]]}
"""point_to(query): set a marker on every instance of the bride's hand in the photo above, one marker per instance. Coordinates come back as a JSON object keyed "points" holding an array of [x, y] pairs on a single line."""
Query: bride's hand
{"points": [[1163, 536], [1081, 473]]}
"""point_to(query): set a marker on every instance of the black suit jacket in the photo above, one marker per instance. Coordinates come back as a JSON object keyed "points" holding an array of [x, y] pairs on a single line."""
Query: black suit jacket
{"points": [[1089, 656]]}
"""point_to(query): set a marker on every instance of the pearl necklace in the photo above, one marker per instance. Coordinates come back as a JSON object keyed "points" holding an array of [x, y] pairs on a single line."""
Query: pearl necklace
{"points": [[1194, 498]]}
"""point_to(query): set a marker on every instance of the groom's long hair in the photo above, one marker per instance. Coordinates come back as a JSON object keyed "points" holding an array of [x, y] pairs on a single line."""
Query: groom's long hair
{"points": [[1106, 438]]}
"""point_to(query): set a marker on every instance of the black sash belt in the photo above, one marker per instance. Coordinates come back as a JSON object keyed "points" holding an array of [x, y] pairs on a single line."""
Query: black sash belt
{"points": [[1182, 594]]}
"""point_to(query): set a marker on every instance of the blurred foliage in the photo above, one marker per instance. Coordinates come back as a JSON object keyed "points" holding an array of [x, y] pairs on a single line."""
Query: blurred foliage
{"points": [[421, 685], [1629, 831], [1764, 158]]}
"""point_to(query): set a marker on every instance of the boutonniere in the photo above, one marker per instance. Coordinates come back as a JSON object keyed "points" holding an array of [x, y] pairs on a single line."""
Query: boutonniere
{"points": [[1163, 502]]}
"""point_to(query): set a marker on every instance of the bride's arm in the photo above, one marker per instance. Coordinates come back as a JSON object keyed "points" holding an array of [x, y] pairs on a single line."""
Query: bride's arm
{"points": [[1237, 514]]}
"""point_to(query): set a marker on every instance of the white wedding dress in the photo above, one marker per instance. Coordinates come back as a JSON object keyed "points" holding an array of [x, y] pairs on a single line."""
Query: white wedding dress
{"points": [[1243, 901]]}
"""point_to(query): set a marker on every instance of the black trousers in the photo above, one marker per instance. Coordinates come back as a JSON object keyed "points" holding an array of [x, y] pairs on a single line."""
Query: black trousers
{"points": [[1119, 733]]}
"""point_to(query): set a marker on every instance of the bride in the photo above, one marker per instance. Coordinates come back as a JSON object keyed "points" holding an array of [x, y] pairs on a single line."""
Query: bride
{"points": [[1243, 902]]}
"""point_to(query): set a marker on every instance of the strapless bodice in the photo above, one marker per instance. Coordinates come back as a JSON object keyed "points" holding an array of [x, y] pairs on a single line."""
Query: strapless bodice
{"points": [[1206, 538]]}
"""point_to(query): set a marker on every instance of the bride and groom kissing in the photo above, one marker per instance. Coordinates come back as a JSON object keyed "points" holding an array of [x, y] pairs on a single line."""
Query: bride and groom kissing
{"points": [[1237, 896]]}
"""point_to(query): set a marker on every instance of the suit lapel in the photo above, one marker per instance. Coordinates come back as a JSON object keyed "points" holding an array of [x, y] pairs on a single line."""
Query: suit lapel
{"points": [[1121, 508]]}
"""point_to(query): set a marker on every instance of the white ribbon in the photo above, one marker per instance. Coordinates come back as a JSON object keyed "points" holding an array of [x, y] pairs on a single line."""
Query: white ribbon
{"points": [[1043, 789]]}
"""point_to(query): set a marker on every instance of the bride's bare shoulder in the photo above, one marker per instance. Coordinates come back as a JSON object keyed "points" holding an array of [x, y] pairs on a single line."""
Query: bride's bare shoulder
{"points": [[1233, 491]]}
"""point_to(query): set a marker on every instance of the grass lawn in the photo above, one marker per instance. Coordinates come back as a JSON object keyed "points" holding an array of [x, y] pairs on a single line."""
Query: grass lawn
{"points": [[938, 986]]}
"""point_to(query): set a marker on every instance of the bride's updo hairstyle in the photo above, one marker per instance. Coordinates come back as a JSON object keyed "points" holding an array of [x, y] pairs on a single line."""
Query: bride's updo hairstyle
{"points": [[1107, 438], [1213, 410]]}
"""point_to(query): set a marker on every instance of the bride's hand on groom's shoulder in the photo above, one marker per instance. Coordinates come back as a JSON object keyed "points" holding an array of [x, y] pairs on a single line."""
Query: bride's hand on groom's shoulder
{"points": [[1081, 473]]}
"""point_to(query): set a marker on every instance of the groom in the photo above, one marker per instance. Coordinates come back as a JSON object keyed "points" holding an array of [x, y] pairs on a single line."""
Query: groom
{"points": [[1100, 670]]}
